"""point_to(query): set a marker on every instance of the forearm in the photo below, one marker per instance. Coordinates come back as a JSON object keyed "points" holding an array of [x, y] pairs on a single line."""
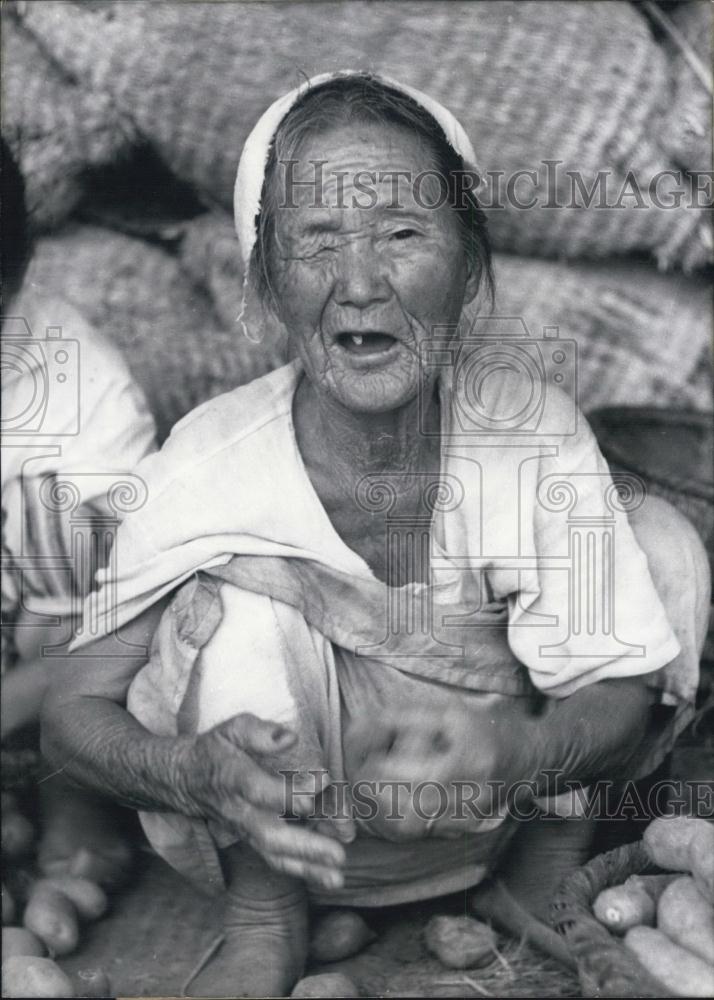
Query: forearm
{"points": [[97, 744], [596, 733], [89, 735]]}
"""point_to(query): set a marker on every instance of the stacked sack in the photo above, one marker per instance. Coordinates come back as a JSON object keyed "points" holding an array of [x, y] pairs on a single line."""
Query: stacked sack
{"points": [[641, 336], [90, 86], [531, 82], [182, 345]]}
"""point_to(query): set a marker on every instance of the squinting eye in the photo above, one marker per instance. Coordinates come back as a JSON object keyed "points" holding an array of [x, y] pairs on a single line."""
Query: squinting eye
{"points": [[403, 234], [320, 251]]}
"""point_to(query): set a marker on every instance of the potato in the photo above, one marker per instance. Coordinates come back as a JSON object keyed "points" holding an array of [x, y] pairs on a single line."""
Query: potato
{"points": [[329, 984], [89, 898], [684, 974], [339, 935], [92, 983], [623, 906], [667, 840], [17, 835], [701, 859], [687, 918], [8, 906], [28, 976], [460, 942], [53, 918], [20, 941]]}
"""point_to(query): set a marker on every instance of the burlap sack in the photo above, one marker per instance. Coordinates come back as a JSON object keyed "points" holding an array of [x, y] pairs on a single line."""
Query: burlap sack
{"points": [[140, 295], [689, 45], [55, 127], [583, 83], [642, 337]]}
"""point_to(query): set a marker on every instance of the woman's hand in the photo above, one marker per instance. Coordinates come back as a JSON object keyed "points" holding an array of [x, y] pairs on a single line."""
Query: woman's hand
{"points": [[96, 743], [222, 779]]}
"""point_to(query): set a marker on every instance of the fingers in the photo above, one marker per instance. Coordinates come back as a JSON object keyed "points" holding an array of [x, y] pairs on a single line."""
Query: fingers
{"points": [[343, 830], [334, 814], [323, 878], [278, 837], [288, 793], [291, 790], [258, 736]]}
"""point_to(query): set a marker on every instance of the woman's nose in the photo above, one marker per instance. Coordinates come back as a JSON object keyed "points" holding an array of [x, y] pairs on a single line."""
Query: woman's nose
{"points": [[361, 280]]}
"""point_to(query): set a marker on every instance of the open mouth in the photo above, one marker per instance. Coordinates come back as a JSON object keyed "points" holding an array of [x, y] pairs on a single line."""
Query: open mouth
{"points": [[366, 343]]}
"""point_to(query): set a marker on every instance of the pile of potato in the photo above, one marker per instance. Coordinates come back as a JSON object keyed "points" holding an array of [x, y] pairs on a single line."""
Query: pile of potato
{"points": [[668, 920], [47, 925]]}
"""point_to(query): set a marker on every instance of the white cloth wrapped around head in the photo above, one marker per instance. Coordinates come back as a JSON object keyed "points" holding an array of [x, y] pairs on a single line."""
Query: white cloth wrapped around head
{"points": [[253, 161]]}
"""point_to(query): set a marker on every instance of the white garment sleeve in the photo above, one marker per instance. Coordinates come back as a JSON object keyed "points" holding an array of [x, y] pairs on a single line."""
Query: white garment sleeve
{"points": [[587, 609]]}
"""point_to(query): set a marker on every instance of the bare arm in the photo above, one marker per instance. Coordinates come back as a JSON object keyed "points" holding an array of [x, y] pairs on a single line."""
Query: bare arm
{"points": [[596, 733], [89, 736]]}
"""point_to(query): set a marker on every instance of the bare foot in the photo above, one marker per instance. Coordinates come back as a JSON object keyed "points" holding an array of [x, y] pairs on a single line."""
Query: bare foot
{"points": [[265, 927], [81, 836], [542, 853]]}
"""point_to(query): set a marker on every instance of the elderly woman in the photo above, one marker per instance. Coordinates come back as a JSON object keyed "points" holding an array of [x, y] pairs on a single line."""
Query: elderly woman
{"points": [[352, 649]]}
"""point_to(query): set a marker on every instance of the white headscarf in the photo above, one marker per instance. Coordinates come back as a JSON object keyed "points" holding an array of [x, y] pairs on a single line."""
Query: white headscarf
{"points": [[253, 161]]}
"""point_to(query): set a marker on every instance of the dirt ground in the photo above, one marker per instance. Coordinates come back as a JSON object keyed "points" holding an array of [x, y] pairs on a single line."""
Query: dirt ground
{"points": [[160, 927]]}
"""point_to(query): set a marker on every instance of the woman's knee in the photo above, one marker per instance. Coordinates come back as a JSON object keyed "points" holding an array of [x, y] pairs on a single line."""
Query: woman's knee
{"points": [[678, 564]]}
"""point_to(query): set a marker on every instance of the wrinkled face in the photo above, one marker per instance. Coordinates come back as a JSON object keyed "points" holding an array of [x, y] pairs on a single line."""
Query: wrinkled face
{"points": [[365, 269]]}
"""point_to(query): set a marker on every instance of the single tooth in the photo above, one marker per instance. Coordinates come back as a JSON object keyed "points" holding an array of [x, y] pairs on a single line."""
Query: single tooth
{"points": [[357, 339]]}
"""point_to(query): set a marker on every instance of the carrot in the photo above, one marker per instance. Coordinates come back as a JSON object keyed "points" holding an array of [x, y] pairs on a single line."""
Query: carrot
{"points": [[624, 906], [681, 972], [687, 918], [701, 859], [667, 840]]}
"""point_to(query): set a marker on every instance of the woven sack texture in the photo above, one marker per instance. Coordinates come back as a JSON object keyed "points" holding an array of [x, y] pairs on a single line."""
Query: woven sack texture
{"points": [[688, 137], [56, 128], [580, 83], [139, 295], [642, 337]]}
